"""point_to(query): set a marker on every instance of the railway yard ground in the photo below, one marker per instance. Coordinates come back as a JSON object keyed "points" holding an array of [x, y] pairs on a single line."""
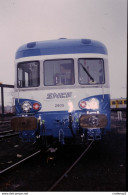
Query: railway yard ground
{"points": [[102, 168]]}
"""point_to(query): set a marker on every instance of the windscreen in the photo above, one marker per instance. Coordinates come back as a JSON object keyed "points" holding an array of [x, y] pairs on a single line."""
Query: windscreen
{"points": [[91, 71], [28, 74], [59, 72]]}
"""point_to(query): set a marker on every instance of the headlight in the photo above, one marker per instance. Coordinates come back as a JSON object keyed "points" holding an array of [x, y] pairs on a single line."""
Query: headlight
{"points": [[26, 106], [93, 104]]}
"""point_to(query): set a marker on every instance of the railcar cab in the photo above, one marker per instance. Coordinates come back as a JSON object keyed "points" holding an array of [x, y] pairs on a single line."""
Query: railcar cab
{"points": [[62, 89], [91, 71]]}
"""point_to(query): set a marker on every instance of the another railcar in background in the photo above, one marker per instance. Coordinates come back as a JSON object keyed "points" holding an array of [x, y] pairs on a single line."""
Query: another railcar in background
{"points": [[118, 104], [62, 91]]}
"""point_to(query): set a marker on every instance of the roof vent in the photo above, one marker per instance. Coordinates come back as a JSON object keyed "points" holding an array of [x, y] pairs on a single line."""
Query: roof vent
{"points": [[62, 38], [31, 45], [86, 41]]}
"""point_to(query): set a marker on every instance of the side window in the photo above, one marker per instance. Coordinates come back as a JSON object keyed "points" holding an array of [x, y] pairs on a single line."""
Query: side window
{"points": [[28, 74]]}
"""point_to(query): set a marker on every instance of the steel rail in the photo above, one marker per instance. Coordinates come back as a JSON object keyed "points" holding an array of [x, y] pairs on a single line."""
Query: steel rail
{"points": [[69, 169], [9, 135], [5, 132], [14, 165], [4, 122]]}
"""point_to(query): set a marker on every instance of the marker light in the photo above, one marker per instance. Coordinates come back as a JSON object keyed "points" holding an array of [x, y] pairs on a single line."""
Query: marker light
{"points": [[36, 106], [83, 104], [26, 106], [93, 104]]}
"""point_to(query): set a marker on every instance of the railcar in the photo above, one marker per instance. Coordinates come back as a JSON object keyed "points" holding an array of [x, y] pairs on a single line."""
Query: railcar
{"points": [[118, 104], [62, 91]]}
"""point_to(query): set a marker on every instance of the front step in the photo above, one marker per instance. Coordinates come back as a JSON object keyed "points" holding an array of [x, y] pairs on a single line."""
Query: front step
{"points": [[94, 134]]}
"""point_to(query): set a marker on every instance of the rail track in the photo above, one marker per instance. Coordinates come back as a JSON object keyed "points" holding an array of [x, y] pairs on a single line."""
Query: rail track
{"points": [[8, 134], [4, 122], [5, 130], [70, 168], [5, 125], [21, 161], [14, 166]]}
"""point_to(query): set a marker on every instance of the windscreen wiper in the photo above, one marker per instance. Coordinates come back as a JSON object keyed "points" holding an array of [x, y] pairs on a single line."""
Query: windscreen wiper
{"points": [[87, 72]]}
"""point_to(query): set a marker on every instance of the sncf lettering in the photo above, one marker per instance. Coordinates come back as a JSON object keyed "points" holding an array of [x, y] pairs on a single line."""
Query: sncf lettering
{"points": [[59, 95]]}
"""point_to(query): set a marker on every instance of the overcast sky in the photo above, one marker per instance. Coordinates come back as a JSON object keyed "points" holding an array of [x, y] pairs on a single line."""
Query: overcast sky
{"points": [[23, 21]]}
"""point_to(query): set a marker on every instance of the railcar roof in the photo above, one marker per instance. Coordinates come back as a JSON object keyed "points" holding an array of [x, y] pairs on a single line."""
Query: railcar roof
{"points": [[60, 46]]}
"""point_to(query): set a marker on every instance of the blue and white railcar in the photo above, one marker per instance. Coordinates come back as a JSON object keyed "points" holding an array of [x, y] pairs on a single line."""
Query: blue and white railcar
{"points": [[62, 91]]}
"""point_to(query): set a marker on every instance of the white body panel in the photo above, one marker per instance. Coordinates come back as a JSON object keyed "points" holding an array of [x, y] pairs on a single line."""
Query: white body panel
{"points": [[63, 102], [77, 91]]}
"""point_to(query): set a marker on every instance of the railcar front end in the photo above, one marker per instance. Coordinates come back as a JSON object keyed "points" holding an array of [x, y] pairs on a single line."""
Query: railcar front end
{"points": [[62, 91]]}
